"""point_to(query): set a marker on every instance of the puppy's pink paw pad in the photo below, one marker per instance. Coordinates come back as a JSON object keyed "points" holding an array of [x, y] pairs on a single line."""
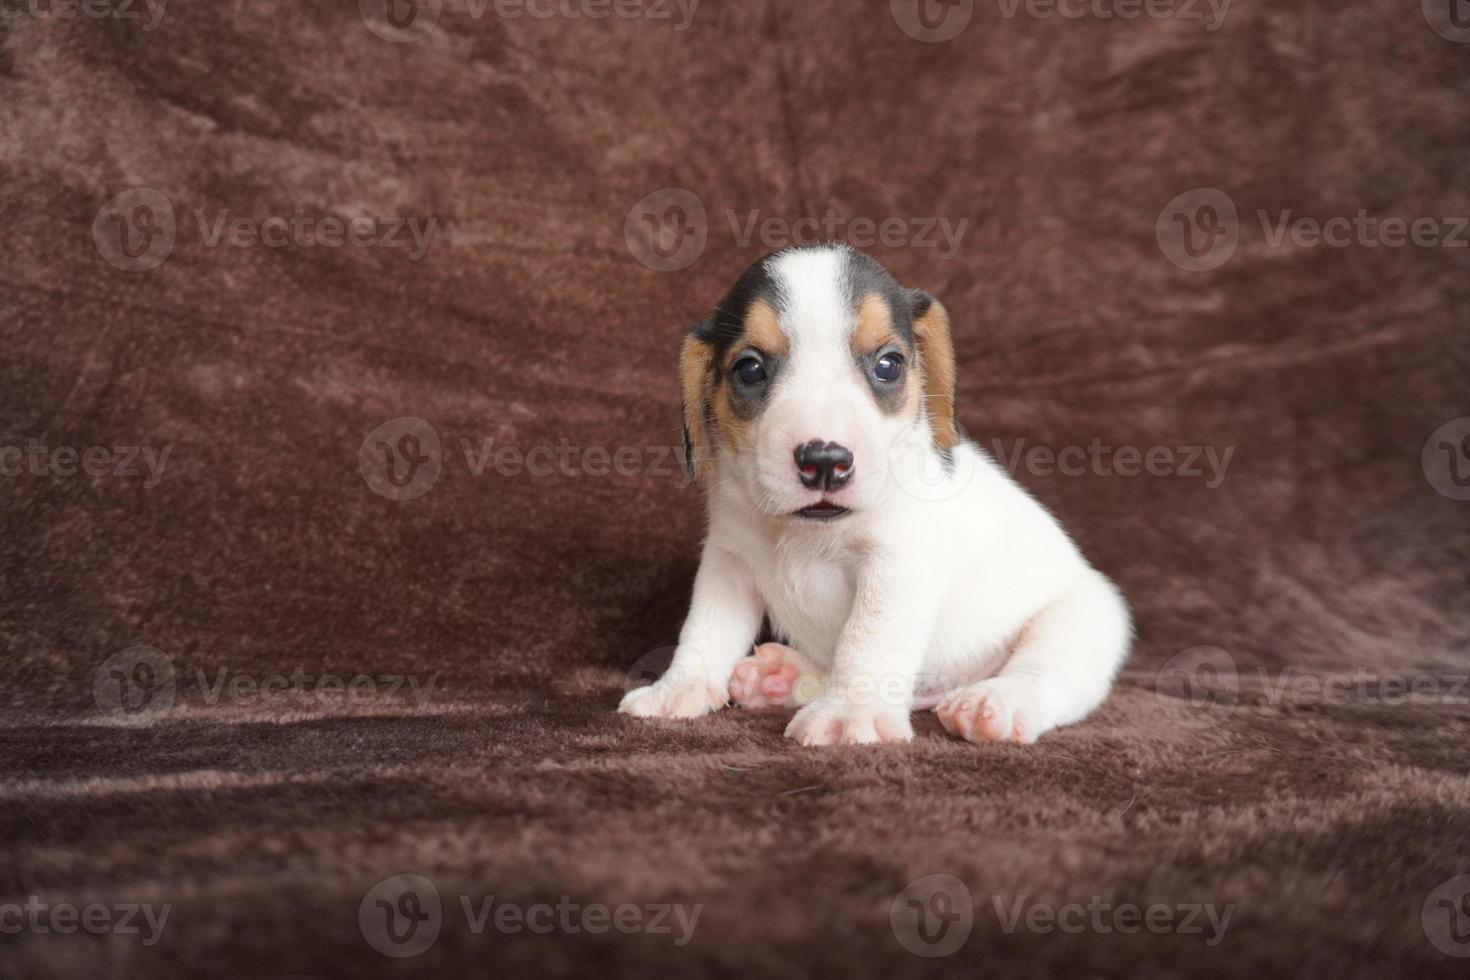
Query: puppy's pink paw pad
{"points": [[1021, 729], [826, 722], [777, 687], [775, 675], [993, 727], [997, 710]]}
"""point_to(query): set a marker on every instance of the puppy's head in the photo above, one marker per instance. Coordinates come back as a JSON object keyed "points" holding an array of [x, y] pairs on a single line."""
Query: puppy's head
{"points": [[811, 369]]}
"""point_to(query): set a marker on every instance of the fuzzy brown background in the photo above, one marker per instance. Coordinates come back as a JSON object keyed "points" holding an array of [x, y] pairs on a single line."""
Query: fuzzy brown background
{"points": [[262, 549]]}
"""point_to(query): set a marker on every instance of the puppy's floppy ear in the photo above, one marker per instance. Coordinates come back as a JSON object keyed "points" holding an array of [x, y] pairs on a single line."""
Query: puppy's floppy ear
{"points": [[936, 363], [696, 378]]}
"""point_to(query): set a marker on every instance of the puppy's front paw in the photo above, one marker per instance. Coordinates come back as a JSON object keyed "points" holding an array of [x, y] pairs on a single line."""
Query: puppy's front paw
{"points": [[1002, 709], [775, 676], [828, 721], [673, 696]]}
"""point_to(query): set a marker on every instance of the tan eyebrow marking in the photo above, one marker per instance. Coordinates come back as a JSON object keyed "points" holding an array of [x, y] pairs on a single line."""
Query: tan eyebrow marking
{"points": [[763, 330], [874, 325]]}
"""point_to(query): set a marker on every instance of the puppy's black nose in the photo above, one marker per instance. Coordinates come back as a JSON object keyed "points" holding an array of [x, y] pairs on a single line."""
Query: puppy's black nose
{"points": [[824, 465]]}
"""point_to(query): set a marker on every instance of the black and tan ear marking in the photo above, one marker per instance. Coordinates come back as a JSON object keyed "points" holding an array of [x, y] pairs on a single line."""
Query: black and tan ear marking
{"points": [[936, 362], [696, 385]]}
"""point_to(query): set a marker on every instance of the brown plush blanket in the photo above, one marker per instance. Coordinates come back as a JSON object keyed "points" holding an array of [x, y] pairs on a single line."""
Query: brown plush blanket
{"points": [[252, 672]]}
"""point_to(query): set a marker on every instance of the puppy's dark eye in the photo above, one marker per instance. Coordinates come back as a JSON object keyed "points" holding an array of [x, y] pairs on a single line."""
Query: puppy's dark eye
{"points": [[750, 371], [888, 368]]}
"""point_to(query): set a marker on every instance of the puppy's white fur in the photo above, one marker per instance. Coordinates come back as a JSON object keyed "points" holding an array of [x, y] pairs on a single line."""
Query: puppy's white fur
{"points": [[944, 586]]}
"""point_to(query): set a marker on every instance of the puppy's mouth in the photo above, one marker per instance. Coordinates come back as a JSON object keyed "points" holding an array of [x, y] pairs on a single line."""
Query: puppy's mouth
{"points": [[823, 511]]}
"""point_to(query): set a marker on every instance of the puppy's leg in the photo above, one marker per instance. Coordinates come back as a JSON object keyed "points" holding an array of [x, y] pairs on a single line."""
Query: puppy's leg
{"points": [[870, 689], [1061, 669], [723, 620], [775, 676]]}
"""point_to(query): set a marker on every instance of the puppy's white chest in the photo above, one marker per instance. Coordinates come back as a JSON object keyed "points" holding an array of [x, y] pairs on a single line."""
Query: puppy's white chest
{"points": [[809, 600]]}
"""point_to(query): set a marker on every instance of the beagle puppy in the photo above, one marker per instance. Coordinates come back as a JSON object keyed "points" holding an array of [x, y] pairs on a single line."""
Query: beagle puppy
{"points": [[899, 567]]}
